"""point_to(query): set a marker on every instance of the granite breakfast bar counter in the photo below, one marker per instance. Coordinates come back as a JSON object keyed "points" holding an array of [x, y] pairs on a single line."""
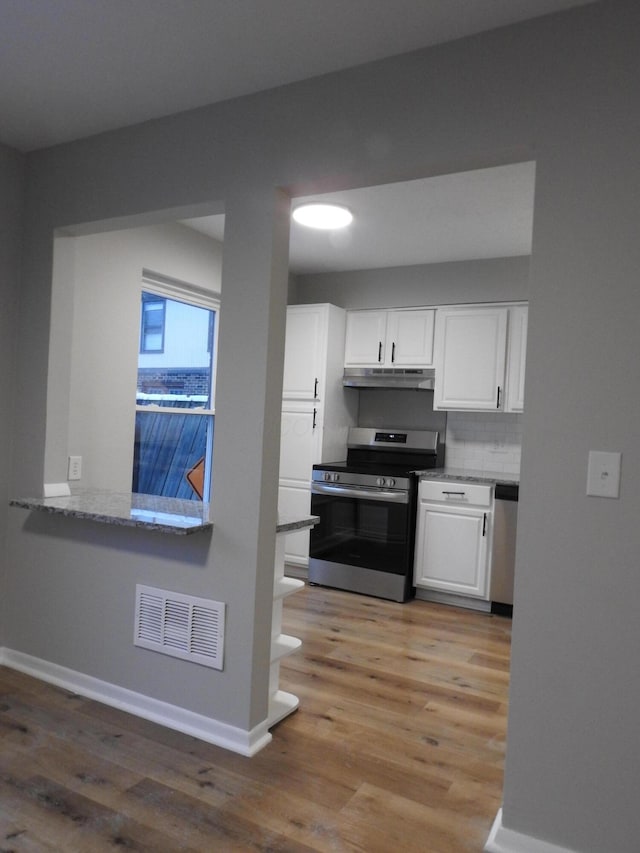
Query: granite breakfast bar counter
{"points": [[127, 509]]}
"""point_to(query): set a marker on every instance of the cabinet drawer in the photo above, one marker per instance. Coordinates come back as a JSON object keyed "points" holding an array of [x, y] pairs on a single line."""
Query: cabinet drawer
{"points": [[456, 492]]}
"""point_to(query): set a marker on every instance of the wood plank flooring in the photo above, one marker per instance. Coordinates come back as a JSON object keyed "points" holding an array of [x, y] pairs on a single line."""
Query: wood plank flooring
{"points": [[398, 745]]}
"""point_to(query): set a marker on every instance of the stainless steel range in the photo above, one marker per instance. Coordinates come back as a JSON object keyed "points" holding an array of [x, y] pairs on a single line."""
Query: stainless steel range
{"points": [[367, 508]]}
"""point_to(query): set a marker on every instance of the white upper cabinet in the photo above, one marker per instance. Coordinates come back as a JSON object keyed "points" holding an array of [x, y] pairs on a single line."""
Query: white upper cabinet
{"points": [[304, 357], [364, 344], [396, 338], [470, 358], [410, 338], [518, 317]]}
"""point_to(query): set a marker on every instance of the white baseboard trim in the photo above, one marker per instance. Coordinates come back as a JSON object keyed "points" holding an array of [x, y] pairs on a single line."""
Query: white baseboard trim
{"points": [[503, 840], [293, 570], [172, 716], [298, 562]]}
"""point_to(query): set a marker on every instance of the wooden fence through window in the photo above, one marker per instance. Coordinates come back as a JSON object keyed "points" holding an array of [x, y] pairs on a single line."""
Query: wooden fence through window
{"points": [[166, 447]]}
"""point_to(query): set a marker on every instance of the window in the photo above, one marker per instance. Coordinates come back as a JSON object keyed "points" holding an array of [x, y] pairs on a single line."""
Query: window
{"points": [[175, 392]]}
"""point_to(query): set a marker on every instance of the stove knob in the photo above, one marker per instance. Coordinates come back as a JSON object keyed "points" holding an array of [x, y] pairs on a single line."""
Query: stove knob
{"points": [[327, 477], [335, 478], [380, 481], [391, 482]]}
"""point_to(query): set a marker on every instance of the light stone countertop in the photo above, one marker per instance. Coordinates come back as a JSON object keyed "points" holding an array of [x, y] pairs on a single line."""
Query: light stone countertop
{"points": [[470, 476], [288, 523], [126, 509]]}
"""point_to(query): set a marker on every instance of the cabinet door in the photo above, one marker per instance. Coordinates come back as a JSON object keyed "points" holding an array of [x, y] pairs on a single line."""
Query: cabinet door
{"points": [[518, 318], [452, 550], [470, 355], [295, 502], [304, 352], [365, 338], [410, 338], [299, 450], [299, 443]]}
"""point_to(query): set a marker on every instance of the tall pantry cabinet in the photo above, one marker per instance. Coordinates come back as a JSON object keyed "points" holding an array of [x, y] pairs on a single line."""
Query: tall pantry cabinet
{"points": [[316, 410]]}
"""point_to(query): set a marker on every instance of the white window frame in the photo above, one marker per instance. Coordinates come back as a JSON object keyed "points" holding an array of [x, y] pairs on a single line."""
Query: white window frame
{"points": [[191, 295]]}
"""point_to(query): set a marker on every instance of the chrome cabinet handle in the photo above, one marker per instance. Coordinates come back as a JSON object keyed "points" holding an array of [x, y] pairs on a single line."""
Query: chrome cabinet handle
{"points": [[453, 493], [379, 351]]}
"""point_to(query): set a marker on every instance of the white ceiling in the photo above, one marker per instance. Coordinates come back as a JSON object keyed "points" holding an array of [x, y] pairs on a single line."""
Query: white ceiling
{"points": [[487, 213], [71, 68]]}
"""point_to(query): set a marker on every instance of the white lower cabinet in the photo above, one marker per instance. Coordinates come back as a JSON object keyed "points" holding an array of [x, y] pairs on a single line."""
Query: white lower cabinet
{"points": [[295, 501], [453, 539], [299, 449]]}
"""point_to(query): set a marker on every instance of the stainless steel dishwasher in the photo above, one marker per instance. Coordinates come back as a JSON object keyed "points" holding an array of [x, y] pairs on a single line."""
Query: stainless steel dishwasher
{"points": [[505, 520]]}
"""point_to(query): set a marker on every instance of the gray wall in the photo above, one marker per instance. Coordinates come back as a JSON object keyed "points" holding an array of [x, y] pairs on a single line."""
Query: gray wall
{"points": [[388, 407], [11, 191], [495, 280], [102, 278], [562, 90]]}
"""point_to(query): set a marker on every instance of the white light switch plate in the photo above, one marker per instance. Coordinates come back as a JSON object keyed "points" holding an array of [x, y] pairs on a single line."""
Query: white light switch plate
{"points": [[603, 474]]}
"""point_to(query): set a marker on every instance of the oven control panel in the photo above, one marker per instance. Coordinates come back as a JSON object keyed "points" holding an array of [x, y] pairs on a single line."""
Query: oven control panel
{"points": [[371, 480]]}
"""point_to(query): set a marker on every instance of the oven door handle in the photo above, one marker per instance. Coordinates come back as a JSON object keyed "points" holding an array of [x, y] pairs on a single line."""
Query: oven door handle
{"points": [[400, 497]]}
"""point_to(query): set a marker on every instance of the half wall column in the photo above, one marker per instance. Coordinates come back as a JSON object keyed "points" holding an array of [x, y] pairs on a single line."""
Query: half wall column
{"points": [[247, 435]]}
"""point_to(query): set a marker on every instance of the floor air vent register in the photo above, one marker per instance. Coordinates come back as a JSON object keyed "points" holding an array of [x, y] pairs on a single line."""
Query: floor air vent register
{"points": [[180, 625]]}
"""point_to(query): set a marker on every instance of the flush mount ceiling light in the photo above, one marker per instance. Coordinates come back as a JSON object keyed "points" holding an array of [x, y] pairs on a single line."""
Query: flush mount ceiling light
{"points": [[322, 215]]}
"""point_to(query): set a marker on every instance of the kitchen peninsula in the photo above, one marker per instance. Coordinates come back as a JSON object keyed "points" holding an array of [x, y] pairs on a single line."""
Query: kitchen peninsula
{"points": [[171, 516]]}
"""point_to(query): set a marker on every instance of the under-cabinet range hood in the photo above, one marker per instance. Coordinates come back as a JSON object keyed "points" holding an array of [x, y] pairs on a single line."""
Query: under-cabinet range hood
{"points": [[420, 379]]}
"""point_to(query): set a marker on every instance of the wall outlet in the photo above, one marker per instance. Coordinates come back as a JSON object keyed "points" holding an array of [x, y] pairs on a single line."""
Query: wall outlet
{"points": [[74, 468]]}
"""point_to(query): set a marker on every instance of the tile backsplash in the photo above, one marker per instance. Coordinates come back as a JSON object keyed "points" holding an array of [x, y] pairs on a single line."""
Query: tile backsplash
{"points": [[481, 441], [484, 442]]}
